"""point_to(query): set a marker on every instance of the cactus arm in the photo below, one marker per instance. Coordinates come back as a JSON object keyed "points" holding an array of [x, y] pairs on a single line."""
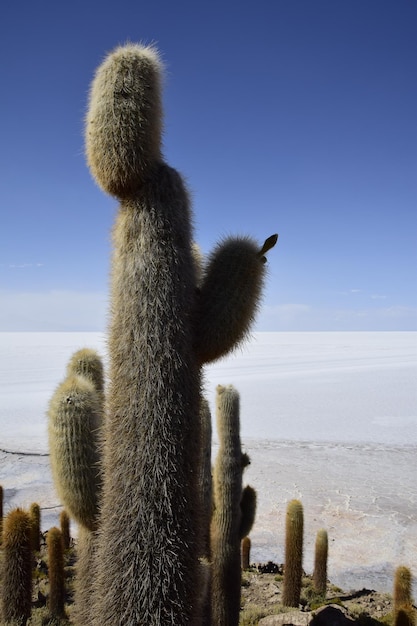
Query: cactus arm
{"points": [[248, 511], [229, 296]]}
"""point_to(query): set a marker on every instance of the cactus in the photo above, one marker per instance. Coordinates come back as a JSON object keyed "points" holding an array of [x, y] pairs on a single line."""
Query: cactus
{"points": [[228, 520], [87, 363], [402, 588], [74, 419], [35, 520], [56, 598], [17, 568], [75, 422], [320, 562], [205, 479], [64, 522], [163, 328], [83, 611], [229, 295], [245, 552], [293, 568], [248, 511]]}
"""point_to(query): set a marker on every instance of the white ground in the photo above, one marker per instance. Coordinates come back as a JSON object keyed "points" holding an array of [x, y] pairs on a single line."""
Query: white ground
{"points": [[330, 418]]}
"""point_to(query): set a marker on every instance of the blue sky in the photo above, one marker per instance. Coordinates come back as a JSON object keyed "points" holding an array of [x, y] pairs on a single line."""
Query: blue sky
{"points": [[289, 116]]}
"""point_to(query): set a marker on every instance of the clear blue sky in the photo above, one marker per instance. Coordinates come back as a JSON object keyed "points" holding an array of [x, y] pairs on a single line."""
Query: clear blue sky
{"points": [[289, 116]]}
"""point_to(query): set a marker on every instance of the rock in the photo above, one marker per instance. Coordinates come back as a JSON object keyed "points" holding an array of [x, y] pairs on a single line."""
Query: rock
{"points": [[331, 615], [294, 618]]}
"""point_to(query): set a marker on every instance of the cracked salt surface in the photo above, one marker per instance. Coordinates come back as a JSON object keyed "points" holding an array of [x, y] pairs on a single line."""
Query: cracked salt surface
{"points": [[329, 418]]}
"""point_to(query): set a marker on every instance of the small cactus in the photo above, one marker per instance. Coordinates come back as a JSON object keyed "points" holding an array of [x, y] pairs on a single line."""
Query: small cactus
{"points": [[404, 612], [320, 562], [1, 514], [231, 521], [293, 568], [64, 521], [56, 598], [17, 568], [35, 519], [247, 510], [245, 550]]}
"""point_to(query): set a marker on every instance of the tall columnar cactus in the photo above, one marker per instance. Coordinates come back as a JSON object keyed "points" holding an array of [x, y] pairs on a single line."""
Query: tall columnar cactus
{"points": [[166, 321], [320, 562], [230, 523], [56, 598], [293, 568], [159, 335], [17, 568]]}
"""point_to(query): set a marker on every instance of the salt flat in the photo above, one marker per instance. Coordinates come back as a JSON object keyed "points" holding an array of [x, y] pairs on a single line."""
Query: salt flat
{"points": [[330, 418]]}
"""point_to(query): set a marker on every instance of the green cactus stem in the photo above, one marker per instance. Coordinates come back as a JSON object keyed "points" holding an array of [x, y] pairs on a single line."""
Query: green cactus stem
{"points": [[320, 562], [55, 549], [245, 552], [35, 520], [65, 524], [293, 568], [226, 526]]}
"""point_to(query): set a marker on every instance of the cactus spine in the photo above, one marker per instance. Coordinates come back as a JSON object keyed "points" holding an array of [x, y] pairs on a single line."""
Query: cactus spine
{"points": [[17, 568], [226, 527], [55, 549], [293, 568], [320, 562]]}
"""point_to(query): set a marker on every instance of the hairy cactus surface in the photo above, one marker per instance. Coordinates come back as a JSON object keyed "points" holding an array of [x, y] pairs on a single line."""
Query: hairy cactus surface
{"points": [[16, 588], [293, 568]]}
